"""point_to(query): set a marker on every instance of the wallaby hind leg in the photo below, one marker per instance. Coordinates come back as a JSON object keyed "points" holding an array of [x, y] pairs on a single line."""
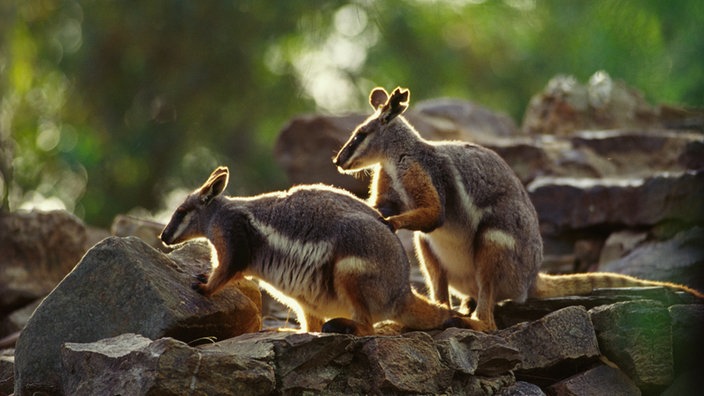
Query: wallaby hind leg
{"points": [[488, 258], [360, 324], [435, 274], [354, 282], [418, 313]]}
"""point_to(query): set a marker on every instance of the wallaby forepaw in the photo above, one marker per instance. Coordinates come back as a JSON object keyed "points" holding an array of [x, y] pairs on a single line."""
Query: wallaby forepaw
{"points": [[199, 287], [202, 278]]}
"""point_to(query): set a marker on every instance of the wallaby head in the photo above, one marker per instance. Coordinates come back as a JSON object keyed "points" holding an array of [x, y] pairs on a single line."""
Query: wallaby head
{"points": [[189, 220], [366, 145]]}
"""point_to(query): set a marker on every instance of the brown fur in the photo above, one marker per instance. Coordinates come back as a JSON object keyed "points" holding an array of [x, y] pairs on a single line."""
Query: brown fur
{"points": [[477, 230]]}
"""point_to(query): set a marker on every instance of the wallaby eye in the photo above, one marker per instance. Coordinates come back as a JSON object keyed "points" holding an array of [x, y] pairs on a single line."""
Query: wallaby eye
{"points": [[358, 138]]}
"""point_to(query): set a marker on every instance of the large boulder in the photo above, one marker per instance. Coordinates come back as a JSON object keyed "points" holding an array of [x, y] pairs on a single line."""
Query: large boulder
{"points": [[124, 286], [564, 335], [565, 106], [637, 336]]}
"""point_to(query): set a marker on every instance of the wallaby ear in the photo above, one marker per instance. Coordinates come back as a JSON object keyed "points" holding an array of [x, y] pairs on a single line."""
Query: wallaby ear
{"points": [[215, 184], [378, 97], [395, 105]]}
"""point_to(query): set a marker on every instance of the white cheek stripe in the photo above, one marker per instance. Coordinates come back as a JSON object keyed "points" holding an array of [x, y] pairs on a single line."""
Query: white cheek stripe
{"points": [[183, 226]]}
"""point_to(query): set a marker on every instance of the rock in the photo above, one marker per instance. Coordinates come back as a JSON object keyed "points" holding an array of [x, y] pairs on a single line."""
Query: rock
{"points": [[305, 148], [15, 322], [124, 286], [7, 368], [454, 119], [619, 244], [472, 352], [528, 160], [636, 335], [521, 388], [678, 260], [561, 335], [509, 313], [131, 364], [601, 380], [689, 383], [308, 362], [687, 329], [566, 106], [345, 364], [38, 249], [573, 204], [410, 363], [146, 230], [640, 153], [270, 362]]}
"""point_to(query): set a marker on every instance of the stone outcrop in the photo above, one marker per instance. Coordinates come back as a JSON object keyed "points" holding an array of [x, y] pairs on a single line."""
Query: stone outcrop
{"points": [[126, 321], [562, 352], [124, 286], [38, 249], [565, 106]]}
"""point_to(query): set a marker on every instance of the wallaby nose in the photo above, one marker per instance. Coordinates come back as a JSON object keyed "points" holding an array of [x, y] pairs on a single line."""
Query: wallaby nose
{"points": [[336, 161]]}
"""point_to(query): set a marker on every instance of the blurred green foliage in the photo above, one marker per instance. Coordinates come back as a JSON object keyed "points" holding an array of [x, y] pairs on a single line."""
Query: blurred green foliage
{"points": [[110, 105]]}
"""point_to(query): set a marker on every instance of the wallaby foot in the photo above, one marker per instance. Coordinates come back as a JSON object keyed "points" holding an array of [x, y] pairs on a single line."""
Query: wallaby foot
{"points": [[346, 326]]}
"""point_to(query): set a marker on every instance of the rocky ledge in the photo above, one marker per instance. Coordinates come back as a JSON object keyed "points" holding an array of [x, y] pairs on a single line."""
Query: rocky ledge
{"points": [[125, 321], [618, 185]]}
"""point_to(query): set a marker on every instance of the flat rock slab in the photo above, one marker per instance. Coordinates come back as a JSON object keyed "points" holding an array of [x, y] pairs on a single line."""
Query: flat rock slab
{"points": [[574, 204], [600, 380], [276, 362], [566, 334]]}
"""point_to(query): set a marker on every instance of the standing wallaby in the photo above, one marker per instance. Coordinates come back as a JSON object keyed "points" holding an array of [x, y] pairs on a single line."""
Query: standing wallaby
{"points": [[320, 246], [477, 228]]}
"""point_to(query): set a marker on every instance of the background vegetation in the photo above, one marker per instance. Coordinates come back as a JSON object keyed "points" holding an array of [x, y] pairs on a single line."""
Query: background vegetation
{"points": [[111, 105]]}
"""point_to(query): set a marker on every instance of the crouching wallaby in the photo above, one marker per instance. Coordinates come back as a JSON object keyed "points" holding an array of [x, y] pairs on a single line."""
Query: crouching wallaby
{"points": [[477, 228], [322, 247]]}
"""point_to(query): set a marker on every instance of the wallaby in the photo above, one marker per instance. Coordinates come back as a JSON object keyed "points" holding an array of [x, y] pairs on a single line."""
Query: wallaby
{"points": [[322, 247], [477, 230]]}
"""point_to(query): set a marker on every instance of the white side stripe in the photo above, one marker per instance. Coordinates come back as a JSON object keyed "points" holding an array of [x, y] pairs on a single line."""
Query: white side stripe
{"points": [[299, 251], [474, 214]]}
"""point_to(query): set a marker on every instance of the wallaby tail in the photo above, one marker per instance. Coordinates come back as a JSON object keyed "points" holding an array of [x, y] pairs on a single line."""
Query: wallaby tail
{"points": [[419, 313], [577, 284]]}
